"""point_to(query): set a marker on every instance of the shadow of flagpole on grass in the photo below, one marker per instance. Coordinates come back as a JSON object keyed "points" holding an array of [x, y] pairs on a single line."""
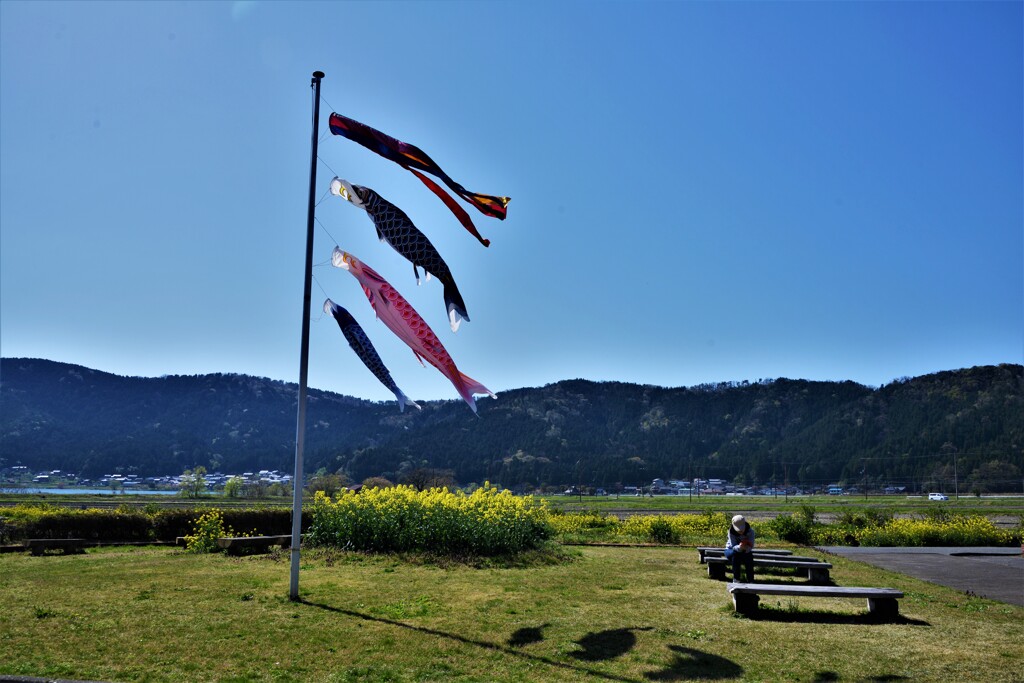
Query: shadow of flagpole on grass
{"points": [[469, 641]]}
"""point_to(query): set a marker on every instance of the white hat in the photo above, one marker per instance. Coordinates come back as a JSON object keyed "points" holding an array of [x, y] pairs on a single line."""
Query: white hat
{"points": [[738, 522]]}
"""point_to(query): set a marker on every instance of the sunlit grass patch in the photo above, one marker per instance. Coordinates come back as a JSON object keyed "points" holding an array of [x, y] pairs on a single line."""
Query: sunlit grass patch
{"points": [[635, 614], [420, 606]]}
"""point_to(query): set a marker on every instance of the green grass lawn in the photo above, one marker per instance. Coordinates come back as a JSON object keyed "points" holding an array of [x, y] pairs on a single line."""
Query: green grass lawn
{"points": [[606, 613]]}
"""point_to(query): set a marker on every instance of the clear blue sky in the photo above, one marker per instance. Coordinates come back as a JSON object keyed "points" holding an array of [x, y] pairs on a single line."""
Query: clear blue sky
{"points": [[700, 191]]}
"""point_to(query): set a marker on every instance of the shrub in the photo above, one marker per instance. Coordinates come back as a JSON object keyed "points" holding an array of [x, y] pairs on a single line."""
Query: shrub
{"points": [[205, 532], [792, 528], [661, 531], [708, 527], [485, 522], [806, 514]]}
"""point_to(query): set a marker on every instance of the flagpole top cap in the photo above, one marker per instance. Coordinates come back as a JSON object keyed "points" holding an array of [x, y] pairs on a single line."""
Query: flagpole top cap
{"points": [[318, 74]]}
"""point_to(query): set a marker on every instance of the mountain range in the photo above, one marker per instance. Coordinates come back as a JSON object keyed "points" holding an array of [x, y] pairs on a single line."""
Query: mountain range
{"points": [[919, 432]]}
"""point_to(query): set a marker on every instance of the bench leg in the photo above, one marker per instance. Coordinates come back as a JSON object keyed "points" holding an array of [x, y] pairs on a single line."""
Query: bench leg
{"points": [[884, 607], [716, 570], [745, 603], [819, 576], [249, 549]]}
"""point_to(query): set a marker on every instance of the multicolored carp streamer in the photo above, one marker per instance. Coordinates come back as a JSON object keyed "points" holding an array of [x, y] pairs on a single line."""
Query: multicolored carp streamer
{"points": [[401, 318], [361, 344], [394, 227], [415, 159]]}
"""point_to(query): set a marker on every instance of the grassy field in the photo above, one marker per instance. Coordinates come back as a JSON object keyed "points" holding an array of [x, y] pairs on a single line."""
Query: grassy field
{"points": [[601, 613], [1008, 505]]}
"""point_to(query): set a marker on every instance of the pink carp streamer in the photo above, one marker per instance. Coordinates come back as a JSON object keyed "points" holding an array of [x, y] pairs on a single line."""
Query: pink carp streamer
{"points": [[401, 318]]}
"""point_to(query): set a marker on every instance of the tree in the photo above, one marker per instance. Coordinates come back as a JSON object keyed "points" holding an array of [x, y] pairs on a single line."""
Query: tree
{"points": [[193, 482], [327, 482], [233, 487], [256, 488], [279, 490], [377, 482], [994, 475], [423, 478]]}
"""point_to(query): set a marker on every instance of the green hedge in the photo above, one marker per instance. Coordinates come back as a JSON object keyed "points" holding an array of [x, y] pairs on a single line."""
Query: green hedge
{"points": [[92, 525], [131, 525], [169, 524]]}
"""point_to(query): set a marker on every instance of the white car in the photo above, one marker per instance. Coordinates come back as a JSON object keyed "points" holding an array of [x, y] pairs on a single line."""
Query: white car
{"points": [[937, 496]]}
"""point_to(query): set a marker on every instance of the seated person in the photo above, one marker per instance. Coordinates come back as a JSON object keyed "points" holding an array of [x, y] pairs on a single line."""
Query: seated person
{"points": [[739, 546]]}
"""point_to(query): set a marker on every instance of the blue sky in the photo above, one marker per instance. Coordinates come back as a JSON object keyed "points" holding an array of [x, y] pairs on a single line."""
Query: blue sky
{"points": [[700, 192]]}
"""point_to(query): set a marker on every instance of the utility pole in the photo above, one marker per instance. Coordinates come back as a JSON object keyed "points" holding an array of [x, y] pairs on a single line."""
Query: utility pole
{"points": [[956, 479], [579, 482], [785, 468], [864, 476]]}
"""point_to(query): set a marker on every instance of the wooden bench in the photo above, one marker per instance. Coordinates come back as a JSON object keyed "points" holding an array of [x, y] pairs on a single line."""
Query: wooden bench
{"points": [[817, 571], [882, 602], [67, 546], [767, 552], [244, 545], [759, 556]]}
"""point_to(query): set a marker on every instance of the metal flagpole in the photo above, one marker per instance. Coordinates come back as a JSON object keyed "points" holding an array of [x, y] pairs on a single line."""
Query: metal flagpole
{"points": [[300, 426]]}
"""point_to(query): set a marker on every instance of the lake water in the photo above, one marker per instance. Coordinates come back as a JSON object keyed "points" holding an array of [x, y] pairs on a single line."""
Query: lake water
{"points": [[86, 492]]}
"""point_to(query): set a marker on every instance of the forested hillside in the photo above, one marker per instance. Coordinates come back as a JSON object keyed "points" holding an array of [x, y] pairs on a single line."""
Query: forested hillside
{"points": [[910, 432]]}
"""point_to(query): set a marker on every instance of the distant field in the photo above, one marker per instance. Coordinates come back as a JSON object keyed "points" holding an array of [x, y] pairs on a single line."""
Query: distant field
{"points": [[135, 500], [1006, 510], [604, 614]]}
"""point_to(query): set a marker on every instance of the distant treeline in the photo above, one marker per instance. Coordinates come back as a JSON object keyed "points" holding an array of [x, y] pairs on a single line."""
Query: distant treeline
{"points": [[964, 425]]}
